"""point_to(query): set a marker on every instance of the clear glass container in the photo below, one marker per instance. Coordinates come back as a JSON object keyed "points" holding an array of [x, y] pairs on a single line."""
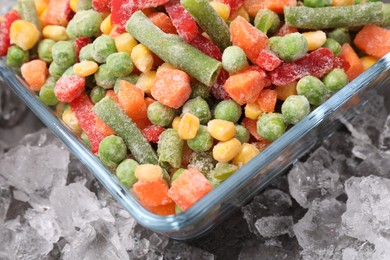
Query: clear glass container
{"points": [[246, 182]]}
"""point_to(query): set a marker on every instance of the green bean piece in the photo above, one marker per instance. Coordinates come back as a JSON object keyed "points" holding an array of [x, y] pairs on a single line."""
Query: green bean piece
{"points": [[102, 47], [46, 94], [221, 172], [56, 70], [203, 161], [84, 138], [209, 20], [202, 142], [335, 80], [271, 126], [112, 150], [126, 172], [199, 108], [104, 78], [341, 35], [83, 5], [173, 50], [200, 90], [16, 56], [120, 64], [234, 59], [64, 54], [333, 45], [335, 16], [177, 174], [242, 134], [160, 114], [228, 110], [84, 23], [295, 108], [291, 47], [45, 50], [313, 89], [28, 12], [86, 53], [170, 149], [267, 21], [132, 78], [97, 93], [114, 116], [317, 3]]}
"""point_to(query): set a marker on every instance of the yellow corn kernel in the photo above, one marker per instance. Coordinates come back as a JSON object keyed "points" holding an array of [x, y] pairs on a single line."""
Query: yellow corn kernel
{"points": [[125, 43], [241, 12], [73, 5], [285, 91], [55, 33], [146, 81], [71, 121], [253, 111], [247, 153], [222, 10], [41, 6], [165, 65], [226, 151], [343, 2], [85, 68], [24, 34], [315, 39], [176, 123], [106, 26], [148, 172], [222, 130], [368, 61], [142, 58], [188, 127]]}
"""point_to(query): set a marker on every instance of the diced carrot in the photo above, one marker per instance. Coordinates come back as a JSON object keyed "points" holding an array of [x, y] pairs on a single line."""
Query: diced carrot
{"points": [[132, 100], [58, 13], [103, 128], [172, 87], [278, 5], [267, 100], [253, 6], [163, 210], [286, 29], [285, 91], [246, 36], [35, 73], [244, 87], [251, 126], [356, 65], [373, 40], [267, 79], [111, 93], [152, 194], [162, 21]]}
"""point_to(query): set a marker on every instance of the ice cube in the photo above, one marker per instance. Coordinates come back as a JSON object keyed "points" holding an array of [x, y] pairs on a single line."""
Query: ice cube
{"points": [[275, 226], [44, 223], [254, 250], [179, 250], [384, 138], [5, 201]]}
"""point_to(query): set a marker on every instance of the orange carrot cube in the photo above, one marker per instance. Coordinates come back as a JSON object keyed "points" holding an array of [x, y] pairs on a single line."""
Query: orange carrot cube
{"points": [[35, 73], [152, 194], [373, 40], [267, 100], [356, 65]]}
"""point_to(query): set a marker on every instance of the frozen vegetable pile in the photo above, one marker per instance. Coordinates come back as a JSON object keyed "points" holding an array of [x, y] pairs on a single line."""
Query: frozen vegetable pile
{"points": [[175, 96]]}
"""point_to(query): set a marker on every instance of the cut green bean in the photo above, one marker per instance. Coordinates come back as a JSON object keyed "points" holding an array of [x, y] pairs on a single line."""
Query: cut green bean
{"points": [[173, 50], [28, 12], [317, 3], [267, 21], [209, 20], [170, 149], [113, 115], [336, 16]]}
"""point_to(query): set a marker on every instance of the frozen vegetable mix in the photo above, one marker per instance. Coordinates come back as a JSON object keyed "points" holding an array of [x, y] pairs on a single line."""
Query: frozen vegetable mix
{"points": [[175, 96]]}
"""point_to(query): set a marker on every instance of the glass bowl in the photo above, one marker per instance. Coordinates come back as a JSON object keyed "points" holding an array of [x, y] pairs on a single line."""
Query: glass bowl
{"points": [[245, 183]]}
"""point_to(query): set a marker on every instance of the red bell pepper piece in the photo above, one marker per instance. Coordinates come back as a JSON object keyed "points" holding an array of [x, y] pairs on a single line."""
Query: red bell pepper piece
{"points": [[217, 89], [69, 88], [233, 4], [79, 43], [5, 26], [58, 13], [207, 47], [185, 25], [101, 5], [268, 60], [152, 133]]}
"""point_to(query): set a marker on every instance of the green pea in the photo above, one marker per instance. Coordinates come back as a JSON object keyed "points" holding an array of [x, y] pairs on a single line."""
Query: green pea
{"points": [[333, 45], [84, 23], [234, 59], [271, 126], [291, 47], [341, 35], [83, 5], [295, 108], [85, 140], [160, 114], [56, 70], [199, 108], [97, 93], [335, 80], [104, 78], [45, 50], [317, 3], [267, 21], [86, 53], [273, 42], [203, 161], [242, 134], [132, 78], [177, 174], [102, 47], [120, 64], [313, 89], [46, 94], [202, 142], [126, 172], [200, 90], [16, 56], [64, 54], [228, 110], [221, 172], [69, 72], [112, 150]]}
